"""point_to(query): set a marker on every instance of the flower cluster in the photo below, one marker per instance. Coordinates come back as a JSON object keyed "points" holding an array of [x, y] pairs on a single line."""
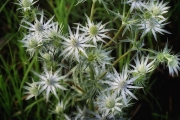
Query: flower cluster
{"points": [[78, 66]]}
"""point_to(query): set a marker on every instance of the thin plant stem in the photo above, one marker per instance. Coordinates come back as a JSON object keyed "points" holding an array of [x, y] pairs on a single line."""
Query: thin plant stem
{"points": [[143, 49], [72, 83], [91, 72], [29, 68], [118, 33], [92, 10]]}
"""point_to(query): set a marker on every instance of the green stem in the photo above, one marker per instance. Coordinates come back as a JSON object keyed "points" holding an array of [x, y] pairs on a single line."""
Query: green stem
{"points": [[136, 35], [29, 68], [143, 49], [116, 35], [116, 62], [92, 10], [119, 31], [124, 9], [91, 72], [72, 83]]}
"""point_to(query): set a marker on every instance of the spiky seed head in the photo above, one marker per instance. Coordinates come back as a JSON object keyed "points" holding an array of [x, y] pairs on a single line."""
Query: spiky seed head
{"points": [[91, 57], [156, 10], [93, 30], [58, 109], [110, 103], [46, 56], [34, 90], [33, 43], [26, 3]]}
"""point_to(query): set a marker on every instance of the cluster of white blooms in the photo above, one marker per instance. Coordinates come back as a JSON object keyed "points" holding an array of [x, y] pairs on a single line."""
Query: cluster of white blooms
{"points": [[78, 66]]}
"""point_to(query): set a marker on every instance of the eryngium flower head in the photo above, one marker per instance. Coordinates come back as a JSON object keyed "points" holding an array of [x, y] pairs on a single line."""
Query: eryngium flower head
{"points": [[172, 61], [32, 43], [136, 4], [39, 27], [50, 82], [152, 25], [74, 44], [59, 110], [157, 9], [141, 68], [122, 84], [25, 4], [54, 32], [33, 90], [109, 103], [96, 32]]}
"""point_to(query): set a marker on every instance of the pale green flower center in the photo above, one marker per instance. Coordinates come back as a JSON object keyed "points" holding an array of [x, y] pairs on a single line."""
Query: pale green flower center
{"points": [[46, 56], [121, 84], [58, 109], [39, 27], [110, 103], [75, 43], [160, 57], [156, 10], [50, 82], [34, 90], [26, 3], [33, 43], [142, 69], [91, 57], [93, 30]]}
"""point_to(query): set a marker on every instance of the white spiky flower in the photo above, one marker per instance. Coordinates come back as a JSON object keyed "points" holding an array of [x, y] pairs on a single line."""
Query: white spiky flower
{"points": [[95, 32], [50, 82], [25, 4], [40, 26], [122, 84], [33, 90], [59, 108], [173, 61], [152, 25], [54, 31], [109, 103], [158, 8], [32, 43], [74, 44], [136, 4], [142, 66]]}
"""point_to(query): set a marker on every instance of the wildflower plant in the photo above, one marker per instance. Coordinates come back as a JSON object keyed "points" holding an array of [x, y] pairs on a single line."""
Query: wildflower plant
{"points": [[78, 64]]}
